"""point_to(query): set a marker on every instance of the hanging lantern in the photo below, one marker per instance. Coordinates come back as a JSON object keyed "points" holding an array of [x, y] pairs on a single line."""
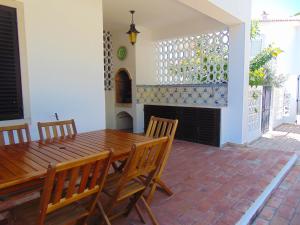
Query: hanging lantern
{"points": [[133, 32]]}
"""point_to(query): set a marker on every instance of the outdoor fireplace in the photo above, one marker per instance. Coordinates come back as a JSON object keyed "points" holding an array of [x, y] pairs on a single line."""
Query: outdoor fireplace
{"points": [[123, 87]]}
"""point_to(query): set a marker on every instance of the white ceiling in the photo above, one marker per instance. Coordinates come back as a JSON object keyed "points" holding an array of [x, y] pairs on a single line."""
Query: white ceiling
{"points": [[151, 14]]}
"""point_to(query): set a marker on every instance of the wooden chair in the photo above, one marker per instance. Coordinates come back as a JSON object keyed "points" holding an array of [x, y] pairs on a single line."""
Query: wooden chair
{"points": [[144, 160], [20, 131], [16, 134], [59, 129], [75, 203], [160, 127]]}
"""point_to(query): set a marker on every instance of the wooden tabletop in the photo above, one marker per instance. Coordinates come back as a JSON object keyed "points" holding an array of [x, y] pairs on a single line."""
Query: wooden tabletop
{"points": [[23, 163]]}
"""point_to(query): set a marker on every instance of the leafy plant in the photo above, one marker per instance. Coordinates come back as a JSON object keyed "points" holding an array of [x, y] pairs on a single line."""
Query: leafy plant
{"points": [[261, 71], [255, 29]]}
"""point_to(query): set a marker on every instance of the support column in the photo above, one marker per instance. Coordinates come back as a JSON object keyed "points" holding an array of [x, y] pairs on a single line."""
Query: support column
{"points": [[234, 125]]}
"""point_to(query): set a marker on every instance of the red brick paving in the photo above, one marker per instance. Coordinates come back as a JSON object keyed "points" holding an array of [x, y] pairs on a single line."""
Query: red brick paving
{"points": [[212, 187], [285, 202]]}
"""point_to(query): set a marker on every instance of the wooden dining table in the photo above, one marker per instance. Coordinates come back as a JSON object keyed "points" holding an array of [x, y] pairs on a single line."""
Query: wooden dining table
{"points": [[25, 165]]}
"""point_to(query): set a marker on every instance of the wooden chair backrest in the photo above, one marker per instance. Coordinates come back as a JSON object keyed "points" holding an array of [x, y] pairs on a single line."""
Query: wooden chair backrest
{"points": [[161, 127], [84, 177], [144, 159], [21, 131], [57, 128]]}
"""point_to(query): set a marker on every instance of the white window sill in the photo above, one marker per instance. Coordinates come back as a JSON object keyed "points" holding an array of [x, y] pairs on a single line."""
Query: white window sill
{"points": [[15, 122]]}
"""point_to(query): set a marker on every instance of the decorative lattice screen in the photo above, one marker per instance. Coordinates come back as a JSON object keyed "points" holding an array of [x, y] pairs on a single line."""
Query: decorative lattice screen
{"points": [[254, 106], [107, 49], [194, 60]]}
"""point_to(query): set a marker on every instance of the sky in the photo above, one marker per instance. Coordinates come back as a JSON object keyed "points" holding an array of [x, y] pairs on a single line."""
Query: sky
{"points": [[276, 8]]}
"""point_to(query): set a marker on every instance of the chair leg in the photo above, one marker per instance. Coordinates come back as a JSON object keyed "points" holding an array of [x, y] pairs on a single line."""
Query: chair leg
{"points": [[140, 214], [103, 214], [158, 184], [149, 211], [132, 203], [164, 187], [150, 195]]}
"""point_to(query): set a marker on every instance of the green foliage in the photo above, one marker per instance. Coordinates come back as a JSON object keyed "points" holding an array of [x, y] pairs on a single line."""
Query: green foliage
{"points": [[261, 72], [297, 14], [255, 30], [257, 77]]}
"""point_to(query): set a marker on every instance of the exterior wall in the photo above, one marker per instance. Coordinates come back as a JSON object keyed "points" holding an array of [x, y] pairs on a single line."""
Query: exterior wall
{"points": [[277, 107], [291, 95], [284, 104], [234, 121], [287, 63], [65, 62]]}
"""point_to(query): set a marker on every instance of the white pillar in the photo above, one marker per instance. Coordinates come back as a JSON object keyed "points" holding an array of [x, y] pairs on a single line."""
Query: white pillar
{"points": [[234, 126]]}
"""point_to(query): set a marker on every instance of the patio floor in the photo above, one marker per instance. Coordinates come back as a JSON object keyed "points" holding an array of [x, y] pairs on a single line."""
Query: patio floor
{"points": [[212, 187], [283, 208]]}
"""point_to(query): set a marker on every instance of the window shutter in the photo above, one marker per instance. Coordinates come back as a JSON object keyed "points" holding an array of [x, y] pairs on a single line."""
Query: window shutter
{"points": [[11, 104]]}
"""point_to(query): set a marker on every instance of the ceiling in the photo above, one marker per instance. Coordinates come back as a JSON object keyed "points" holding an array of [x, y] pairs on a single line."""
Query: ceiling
{"points": [[151, 14]]}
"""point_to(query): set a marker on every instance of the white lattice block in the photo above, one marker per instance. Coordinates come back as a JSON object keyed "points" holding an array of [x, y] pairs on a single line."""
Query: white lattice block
{"points": [[193, 60]]}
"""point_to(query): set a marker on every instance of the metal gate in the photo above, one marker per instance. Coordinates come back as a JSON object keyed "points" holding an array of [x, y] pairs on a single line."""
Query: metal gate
{"points": [[266, 108]]}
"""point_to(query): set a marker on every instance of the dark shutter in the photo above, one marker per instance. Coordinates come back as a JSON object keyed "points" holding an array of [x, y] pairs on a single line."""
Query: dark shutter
{"points": [[200, 125], [11, 105]]}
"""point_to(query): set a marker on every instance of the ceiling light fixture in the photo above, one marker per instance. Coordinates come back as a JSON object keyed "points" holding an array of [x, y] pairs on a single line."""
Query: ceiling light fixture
{"points": [[133, 32]]}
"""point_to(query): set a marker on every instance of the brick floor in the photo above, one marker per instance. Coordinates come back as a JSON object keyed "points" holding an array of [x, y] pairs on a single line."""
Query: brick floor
{"points": [[283, 208], [213, 187]]}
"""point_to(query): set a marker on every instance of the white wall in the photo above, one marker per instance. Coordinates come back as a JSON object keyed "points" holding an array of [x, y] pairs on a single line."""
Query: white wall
{"points": [[291, 88], [288, 63], [145, 58], [65, 62], [277, 108], [234, 121]]}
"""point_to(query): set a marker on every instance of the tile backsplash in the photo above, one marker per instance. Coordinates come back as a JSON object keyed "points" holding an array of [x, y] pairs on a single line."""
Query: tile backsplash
{"points": [[212, 95]]}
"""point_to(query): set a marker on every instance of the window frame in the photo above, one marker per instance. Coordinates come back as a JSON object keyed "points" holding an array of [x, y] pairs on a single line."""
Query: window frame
{"points": [[19, 6]]}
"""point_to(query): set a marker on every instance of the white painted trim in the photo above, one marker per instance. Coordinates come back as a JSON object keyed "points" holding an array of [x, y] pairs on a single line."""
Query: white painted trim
{"points": [[261, 200], [23, 62]]}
